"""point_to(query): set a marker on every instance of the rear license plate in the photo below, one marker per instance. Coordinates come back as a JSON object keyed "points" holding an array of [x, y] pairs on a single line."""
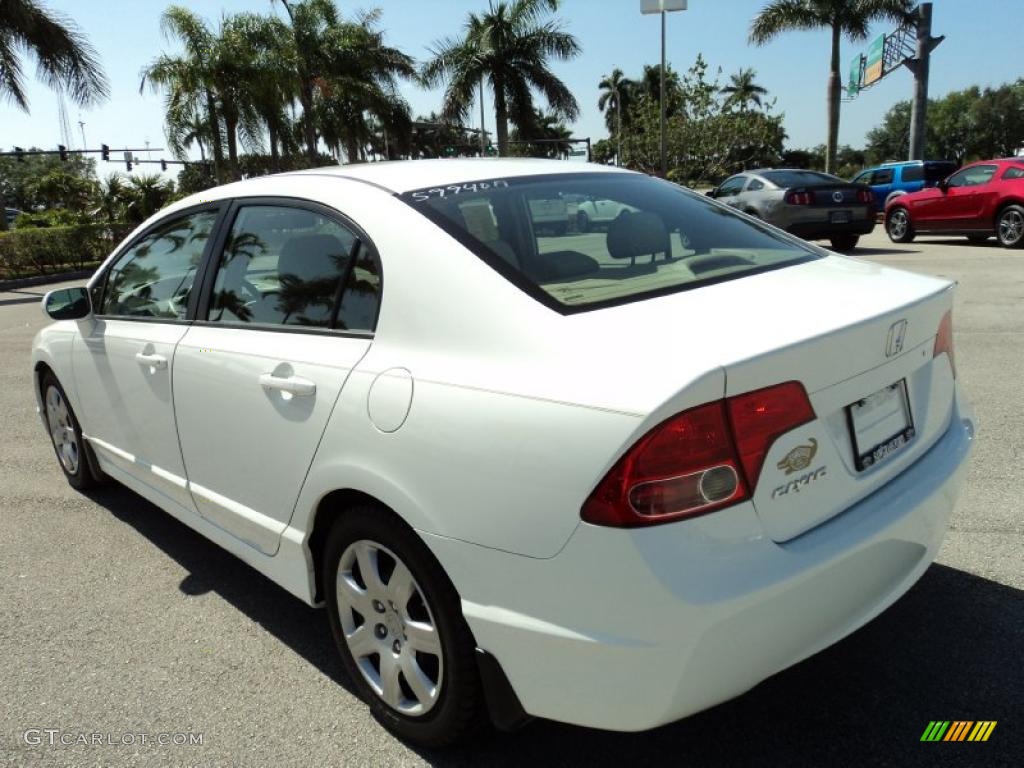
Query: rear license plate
{"points": [[880, 425], [840, 217]]}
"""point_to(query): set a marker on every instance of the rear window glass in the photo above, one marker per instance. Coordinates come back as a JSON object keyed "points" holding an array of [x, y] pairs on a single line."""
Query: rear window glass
{"points": [[912, 173], [786, 179], [581, 241]]}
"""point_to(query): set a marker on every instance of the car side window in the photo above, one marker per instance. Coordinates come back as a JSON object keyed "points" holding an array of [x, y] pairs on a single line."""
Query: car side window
{"points": [[973, 176], [754, 185], [882, 176], [912, 173], [732, 186], [281, 266], [1014, 172], [863, 178], [154, 277]]}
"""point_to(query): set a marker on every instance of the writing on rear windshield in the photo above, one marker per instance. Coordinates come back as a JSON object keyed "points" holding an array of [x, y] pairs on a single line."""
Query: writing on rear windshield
{"points": [[421, 195]]}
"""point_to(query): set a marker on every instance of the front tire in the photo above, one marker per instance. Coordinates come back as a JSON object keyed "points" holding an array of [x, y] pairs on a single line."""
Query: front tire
{"points": [[398, 625], [844, 243], [898, 225], [66, 434], [1010, 227]]}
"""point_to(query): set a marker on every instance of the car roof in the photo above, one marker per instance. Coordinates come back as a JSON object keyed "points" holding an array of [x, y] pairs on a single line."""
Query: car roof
{"points": [[403, 175]]}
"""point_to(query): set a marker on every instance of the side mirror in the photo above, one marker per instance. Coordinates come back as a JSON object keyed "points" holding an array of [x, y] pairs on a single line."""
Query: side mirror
{"points": [[943, 185], [712, 192], [67, 303]]}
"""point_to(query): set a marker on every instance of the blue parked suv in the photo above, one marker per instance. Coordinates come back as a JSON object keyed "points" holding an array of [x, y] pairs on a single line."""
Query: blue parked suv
{"points": [[891, 180]]}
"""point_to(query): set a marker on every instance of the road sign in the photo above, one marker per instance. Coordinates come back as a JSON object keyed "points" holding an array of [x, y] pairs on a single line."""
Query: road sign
{"points": [[657, 6], [856, 68], [873, 69]]}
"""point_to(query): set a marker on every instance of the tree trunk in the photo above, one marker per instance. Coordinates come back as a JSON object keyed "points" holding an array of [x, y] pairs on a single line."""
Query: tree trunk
{"points": [[306, 99], [501, 117], [834, 84], [218, 149], [275, 164], [351, 149], [231, 129], [3, 211]]}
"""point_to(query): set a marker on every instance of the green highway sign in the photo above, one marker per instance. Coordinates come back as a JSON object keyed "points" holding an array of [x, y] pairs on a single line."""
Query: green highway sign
{"points": [[873, 65], [853, 84]]}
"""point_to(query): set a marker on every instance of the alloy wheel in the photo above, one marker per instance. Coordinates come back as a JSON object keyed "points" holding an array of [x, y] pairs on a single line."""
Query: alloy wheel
{"points": [[1011, 227], [898, 224], [389, 628], [62, 432]]}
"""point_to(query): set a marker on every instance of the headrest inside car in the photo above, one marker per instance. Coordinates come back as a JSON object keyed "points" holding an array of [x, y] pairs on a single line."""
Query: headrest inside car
{"points": [[312, 256], [637, 234]]}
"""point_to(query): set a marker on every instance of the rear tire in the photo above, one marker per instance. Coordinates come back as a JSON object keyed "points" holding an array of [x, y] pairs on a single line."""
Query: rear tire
{"points": [[66, 435], [413, 632], [844, 243], [1010, 227], [898, 225]]}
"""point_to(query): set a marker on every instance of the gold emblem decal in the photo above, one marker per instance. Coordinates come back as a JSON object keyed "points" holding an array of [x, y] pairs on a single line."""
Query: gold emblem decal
{"points": [[799, 458]]}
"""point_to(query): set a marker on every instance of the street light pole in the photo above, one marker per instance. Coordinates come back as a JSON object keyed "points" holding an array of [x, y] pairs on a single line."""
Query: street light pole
{"points": [[483, 133], [662, 7]]}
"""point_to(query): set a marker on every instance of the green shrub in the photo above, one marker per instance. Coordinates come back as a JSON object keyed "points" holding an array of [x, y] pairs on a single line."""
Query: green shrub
{"points": [[51, 250]]}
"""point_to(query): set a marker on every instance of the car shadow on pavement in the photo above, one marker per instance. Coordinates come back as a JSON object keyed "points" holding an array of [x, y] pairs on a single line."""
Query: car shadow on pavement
{"points": [[865, 251], [213, 569], [951, 649]]}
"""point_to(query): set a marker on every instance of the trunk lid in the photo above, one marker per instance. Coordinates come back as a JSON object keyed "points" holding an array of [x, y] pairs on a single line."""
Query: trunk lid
{"points": [[847, 330]]}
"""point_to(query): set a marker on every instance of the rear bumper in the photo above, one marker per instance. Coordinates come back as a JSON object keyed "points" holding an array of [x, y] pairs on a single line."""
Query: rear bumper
{"points": [[816, 230], [627, 630]]}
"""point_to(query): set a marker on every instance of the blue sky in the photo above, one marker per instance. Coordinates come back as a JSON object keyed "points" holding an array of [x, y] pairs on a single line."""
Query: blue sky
{"points": [[980, 47]]}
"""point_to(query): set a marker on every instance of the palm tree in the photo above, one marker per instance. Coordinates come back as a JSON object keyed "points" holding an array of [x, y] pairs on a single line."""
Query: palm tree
{"points": [[147, 194], [64, 59], [743, 90], [509, 47], [189, 79], [844, 18], [616, 93], [347, 65], [113, 197]]}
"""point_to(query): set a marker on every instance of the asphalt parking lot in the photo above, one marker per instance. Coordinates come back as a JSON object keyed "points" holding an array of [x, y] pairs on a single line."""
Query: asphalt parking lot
{"points": [[117, 619]]}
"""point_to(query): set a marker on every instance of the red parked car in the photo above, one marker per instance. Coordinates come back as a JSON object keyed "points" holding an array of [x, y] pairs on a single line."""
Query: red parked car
{"points": [[980, 200]]}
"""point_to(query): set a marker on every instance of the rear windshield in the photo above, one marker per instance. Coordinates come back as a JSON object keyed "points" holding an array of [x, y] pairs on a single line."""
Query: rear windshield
{"points": [[582, 241], [786, 179]]}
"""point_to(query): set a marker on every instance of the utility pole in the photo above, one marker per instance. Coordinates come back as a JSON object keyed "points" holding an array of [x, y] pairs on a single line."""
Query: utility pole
{"points": [[919, 65], [81, 127]]}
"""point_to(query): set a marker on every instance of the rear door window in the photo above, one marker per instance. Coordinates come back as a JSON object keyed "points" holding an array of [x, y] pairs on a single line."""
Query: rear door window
{"points": [[285, 266], [912, 173], [660, 239]]}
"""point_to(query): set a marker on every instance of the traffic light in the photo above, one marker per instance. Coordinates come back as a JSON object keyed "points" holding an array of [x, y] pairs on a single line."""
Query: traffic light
{"points": [[128, 161], [163, 164], [63, 152], [105, 152]]}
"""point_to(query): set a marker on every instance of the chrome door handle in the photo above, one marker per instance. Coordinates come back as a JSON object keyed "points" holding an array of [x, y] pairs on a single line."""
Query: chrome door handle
{"points": [[151, 361], [295, 385]]}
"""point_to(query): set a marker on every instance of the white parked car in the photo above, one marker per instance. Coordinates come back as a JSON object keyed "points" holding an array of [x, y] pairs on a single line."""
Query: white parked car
{"points": [[611, 486]]}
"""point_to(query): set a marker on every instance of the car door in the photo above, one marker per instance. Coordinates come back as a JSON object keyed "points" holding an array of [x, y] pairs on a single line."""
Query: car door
{"points": [[288, 309], [122, 361], [965, 198], [882, 183], [731, 191]]}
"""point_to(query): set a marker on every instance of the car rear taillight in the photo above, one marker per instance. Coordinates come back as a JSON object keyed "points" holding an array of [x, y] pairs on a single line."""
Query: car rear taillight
{"points": [[944, 340], [865, 196], [800, 198], [698, 461]]}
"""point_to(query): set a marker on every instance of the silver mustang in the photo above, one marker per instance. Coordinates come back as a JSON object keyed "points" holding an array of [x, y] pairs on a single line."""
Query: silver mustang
{"points": [[809, 204]]}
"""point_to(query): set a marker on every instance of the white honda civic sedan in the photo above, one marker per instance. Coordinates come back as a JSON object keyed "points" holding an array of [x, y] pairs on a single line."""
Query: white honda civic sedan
{"points": [[610, 477]]}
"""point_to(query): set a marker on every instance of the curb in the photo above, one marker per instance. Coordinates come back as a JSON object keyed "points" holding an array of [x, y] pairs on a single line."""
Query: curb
{"points": [[28, 282]]}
